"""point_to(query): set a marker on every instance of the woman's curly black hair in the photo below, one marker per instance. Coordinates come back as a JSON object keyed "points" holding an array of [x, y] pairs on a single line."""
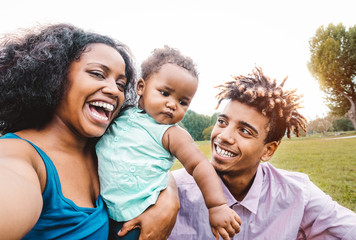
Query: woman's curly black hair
{"points": [[34, 69], [262, 93], [161, 56]]}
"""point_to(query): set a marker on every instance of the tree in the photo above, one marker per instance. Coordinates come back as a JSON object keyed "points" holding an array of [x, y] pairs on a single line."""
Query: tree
{"points": [[213, 118], [321, 125], [207, 132], [343, 124], [333, 65], [195, 124]]}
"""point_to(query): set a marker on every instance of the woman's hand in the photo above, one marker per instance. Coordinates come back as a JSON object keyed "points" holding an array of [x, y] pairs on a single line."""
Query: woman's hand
{"points": [[157, 221]]}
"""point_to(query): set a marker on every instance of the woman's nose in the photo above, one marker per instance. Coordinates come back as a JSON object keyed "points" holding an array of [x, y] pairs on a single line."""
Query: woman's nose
{"points": [[111, 88]]}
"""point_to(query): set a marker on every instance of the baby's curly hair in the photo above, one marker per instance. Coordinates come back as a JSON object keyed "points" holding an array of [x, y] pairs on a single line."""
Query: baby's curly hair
{"points": [[161, 56], [262, 93], [34, 69]]}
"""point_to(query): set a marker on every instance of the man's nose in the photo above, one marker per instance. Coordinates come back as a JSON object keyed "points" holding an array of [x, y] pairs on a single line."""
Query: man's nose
{"points": [[227, 135]]}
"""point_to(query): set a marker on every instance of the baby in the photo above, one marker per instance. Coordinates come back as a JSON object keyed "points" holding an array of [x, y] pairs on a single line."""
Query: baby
{"points": [[138, 149]]}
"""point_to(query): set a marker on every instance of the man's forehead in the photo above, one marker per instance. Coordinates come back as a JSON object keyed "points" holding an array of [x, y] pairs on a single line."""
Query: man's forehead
{"points": [[238, 111]]}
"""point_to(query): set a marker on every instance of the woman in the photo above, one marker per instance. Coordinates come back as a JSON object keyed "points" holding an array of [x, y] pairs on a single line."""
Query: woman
{"points": [[59, 91]]}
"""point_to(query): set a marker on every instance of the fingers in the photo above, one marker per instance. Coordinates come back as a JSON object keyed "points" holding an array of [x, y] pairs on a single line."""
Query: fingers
{"points": [[224, 234], [128, 226], [215, 233], [230, 230], [237, 218], [236, 227], [224, 221]]}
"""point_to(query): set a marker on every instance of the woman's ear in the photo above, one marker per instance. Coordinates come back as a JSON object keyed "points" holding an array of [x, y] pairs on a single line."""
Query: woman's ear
{"points": [[269, 150], [140, 86]]}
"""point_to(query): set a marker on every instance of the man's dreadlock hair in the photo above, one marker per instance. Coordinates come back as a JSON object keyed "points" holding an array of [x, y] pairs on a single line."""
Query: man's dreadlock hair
{"points": [[262, 93]]}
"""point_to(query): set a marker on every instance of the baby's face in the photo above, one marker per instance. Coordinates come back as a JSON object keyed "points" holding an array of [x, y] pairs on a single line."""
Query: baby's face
{"points": [[167, 94]]}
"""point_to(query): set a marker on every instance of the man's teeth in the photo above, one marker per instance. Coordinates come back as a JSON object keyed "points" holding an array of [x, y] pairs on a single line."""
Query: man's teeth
{"points": [[106, 106], [223, 152]]}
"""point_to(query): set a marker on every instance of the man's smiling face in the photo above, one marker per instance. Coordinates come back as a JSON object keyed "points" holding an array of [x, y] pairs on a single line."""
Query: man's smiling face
{"points": [[237, 140]]}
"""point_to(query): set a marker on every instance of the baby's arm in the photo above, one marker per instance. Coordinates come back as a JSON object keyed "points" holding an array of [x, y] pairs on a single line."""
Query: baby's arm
{"points": [[223, 220]]}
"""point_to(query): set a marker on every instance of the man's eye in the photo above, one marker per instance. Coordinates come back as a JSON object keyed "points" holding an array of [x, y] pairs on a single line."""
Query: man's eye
{"points": [[164, 93], [245, 131], [221, 122]]}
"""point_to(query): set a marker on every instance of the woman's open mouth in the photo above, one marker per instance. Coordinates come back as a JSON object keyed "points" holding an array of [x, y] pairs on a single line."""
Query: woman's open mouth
{"points": [[101, 110]]}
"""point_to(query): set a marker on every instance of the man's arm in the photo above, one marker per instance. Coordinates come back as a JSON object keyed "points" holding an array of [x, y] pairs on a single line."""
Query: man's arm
{"points": [[324, 217]]}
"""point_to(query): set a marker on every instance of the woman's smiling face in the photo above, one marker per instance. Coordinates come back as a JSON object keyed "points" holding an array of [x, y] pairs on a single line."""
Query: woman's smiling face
{"points": [[96, 91]]}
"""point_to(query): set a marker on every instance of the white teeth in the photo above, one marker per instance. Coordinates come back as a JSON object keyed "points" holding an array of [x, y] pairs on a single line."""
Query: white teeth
{"points": [[99, 116], [223, 152], [106, 106]]}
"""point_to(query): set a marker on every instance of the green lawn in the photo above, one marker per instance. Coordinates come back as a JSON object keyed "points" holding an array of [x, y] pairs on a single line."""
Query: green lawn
{"points": [[330, 163]]}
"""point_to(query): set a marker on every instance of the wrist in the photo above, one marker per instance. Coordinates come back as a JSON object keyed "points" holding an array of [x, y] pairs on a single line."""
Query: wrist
{"points": [[210, 206]]}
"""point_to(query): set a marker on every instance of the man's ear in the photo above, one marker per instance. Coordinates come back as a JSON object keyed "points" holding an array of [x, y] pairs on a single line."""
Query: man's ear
{"points": [[269, 150], [140, 86]]}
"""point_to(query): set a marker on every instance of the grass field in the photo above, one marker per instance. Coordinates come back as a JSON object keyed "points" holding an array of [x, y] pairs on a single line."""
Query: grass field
{"points": [[330, 163]]}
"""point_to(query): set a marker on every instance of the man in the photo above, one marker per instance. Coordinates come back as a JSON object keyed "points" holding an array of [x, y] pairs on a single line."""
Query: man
{"points": [[272, 203]]}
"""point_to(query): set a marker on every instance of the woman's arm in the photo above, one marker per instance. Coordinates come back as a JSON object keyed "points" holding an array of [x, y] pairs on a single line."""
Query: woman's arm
{"points": [[157, 221], [20, 193]]}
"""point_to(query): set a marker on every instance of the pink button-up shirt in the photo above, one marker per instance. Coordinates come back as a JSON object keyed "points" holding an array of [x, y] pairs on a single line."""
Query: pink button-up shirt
{"points": [[279, 205]]}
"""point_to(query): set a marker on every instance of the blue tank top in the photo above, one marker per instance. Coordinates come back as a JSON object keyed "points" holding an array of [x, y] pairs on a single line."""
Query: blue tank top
{"points": [[61, 218]]}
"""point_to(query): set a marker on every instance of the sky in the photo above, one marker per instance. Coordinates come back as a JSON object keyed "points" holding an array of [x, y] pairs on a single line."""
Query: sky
{"points": [[224, 38]]}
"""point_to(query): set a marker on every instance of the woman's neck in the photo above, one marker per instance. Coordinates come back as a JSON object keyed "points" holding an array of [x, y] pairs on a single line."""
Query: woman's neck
{"points": [[53, 137]]}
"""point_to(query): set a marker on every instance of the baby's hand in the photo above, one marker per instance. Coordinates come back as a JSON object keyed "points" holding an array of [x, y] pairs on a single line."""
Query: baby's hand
{"points": [[224, 221]]}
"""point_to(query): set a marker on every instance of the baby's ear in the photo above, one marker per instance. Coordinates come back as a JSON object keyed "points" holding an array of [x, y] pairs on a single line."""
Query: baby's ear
{"points": [[140, 86]]}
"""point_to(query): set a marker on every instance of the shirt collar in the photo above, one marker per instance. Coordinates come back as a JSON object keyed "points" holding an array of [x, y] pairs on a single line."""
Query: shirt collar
{"points": [[252, 198]]}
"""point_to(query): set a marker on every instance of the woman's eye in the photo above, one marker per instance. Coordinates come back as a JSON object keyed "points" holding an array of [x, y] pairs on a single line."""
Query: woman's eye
{"points": [[164, 93], [97, 74], [121, 86]]}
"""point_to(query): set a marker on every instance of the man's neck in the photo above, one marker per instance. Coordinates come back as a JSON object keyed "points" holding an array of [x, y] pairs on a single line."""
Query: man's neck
{"points": [[238, 185]]}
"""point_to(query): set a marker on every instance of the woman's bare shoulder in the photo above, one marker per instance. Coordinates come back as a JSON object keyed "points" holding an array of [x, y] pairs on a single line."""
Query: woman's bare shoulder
{"points": [[12, 148]]}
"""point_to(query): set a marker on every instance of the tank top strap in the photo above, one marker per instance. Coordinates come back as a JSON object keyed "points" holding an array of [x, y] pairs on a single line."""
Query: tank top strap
{"points": [[51, 171]]}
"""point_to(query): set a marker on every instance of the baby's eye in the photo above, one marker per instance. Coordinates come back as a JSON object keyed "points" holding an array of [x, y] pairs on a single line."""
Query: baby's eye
{"points": [[164, 93], [183, 103]]}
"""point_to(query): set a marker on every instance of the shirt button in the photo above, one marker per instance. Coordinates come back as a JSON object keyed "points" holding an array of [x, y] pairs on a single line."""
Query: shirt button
{"points": [[132, 169], [132, 116], [116, 139]]}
